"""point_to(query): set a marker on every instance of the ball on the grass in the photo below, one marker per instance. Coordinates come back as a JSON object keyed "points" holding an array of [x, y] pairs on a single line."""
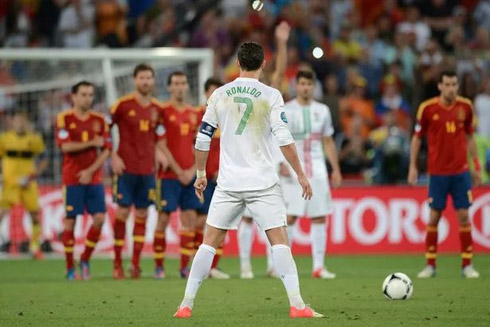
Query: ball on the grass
{"points": [[397, 286], [257, 5]]}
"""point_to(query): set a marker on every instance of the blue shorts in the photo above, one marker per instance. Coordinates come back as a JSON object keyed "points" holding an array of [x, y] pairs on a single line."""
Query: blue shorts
{"points": [[458, 185], [174, 195], [208, 195], [81, 197], [134, 189]]}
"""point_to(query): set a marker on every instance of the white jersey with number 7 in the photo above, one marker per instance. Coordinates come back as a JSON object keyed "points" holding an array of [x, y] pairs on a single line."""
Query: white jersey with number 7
{"points": [[248, 114]]}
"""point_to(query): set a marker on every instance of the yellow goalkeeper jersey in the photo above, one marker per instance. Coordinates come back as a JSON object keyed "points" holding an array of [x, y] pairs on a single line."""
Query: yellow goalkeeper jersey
{"points": [[18, 152]]}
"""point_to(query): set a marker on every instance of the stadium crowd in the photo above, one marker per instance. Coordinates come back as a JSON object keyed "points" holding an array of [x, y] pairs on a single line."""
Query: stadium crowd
{"points": [[379, 59]]}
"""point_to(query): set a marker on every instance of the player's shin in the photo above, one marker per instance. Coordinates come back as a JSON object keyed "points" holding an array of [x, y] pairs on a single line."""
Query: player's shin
{"points": [[245, 235], [466, 244], [318, 236], [431, 245], [217, 257], [36, 232], [139, 231], [199, 270], [119, 236], [286, 268], [186, 248], [91, 240], [159, 245], [68, 240]]}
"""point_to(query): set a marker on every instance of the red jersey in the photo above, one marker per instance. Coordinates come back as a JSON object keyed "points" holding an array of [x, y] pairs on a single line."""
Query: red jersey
{"points": [[446, 129], [180, 132], [212, 166], [138, 133], [70, 128]]}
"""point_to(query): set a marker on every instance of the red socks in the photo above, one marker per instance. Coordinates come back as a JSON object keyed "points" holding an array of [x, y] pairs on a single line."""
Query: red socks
{"points": [[217, 256], [431, 245], [69, 243], [198, 238], [119, 236], [159, 246], [138, 239], [90, 242], [466, 244], [186, 247]]}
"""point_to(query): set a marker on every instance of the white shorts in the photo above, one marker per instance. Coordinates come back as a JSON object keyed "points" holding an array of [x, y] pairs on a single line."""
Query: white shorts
{"points": [[320, 204], [266, 207]]}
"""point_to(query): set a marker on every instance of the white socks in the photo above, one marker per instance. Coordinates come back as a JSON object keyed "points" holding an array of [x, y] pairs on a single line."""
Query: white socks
{"points": [[290, 230], [199, 270], [286, 269], [318, 236], [245, 236]]}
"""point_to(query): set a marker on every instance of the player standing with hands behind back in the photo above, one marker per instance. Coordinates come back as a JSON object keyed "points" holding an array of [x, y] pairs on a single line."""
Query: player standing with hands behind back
{"points": [[447, 121], [248, 114]]}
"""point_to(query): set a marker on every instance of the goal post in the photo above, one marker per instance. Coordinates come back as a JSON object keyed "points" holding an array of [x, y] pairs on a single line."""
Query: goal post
{"points": [[38, 81]]}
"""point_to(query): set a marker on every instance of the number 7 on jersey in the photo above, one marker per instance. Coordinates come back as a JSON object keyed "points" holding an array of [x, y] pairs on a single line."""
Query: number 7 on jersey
{"points": [[246, 115]]}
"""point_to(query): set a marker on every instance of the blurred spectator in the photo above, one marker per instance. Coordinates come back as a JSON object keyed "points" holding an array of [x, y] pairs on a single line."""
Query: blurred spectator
{"points": [[430, 60], [345, 46], [481, 14], [417, 29], [467, 86], [331, 98], [482, 110], [355, 106], [338, 11], [354, 156], [401, 51], [481, 42], [111, 23], [77, 24], [392, 102], [390, 162], [438, 14], [17, 25], [47, 19]]}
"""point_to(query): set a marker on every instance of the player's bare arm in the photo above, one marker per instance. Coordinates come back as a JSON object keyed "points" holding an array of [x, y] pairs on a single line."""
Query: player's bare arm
{"points": [[201, 180], [85, 176], [162, 145], [161, 159], [331, 152], [414, 152], [289, 152], [96, 142], [477, 177], [282, 36]]}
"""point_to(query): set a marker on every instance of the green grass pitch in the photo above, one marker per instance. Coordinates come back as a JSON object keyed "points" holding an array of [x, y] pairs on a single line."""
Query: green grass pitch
{"points": [[36, 294]]}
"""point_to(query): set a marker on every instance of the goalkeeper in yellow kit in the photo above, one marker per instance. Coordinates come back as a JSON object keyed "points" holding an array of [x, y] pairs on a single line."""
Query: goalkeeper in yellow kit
{"points": [[19, 148]]}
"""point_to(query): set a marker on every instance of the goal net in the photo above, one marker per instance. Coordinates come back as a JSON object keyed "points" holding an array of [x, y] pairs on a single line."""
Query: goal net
{"points": [[38, 81]]}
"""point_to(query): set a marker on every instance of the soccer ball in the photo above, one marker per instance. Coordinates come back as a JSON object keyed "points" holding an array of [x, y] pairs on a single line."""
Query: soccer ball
{"points": [[397, 286]]}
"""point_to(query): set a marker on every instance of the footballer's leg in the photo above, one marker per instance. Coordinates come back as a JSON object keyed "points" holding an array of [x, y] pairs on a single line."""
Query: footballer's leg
{"points": [[124, 192], [160, 244], [95, 204], [269, 212], [245, 239], [74, 206], [318, 236], [290, 228], [462, 198], [187, 235], [30, 200]]}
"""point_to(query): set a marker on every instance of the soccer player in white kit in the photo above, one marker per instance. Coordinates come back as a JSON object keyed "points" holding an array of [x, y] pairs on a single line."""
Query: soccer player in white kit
{"points": [[248, 114], [310, 124]]}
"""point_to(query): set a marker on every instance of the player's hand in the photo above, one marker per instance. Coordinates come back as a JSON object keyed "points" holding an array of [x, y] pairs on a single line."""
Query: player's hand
{"points": [[200, 185], [413, 176], [98, 141], [282, 32], [117, 164], [162, 161], [85, 176], [305, 185], [284, 170], [477, 179], [336, 178]]}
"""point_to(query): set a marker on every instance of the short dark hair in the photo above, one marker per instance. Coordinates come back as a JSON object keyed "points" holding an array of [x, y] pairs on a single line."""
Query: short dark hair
{"points": [[74, 88], [308, 74], [250, 56], [176, 73], [447, 73], [143, 68], [212, 81]]}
